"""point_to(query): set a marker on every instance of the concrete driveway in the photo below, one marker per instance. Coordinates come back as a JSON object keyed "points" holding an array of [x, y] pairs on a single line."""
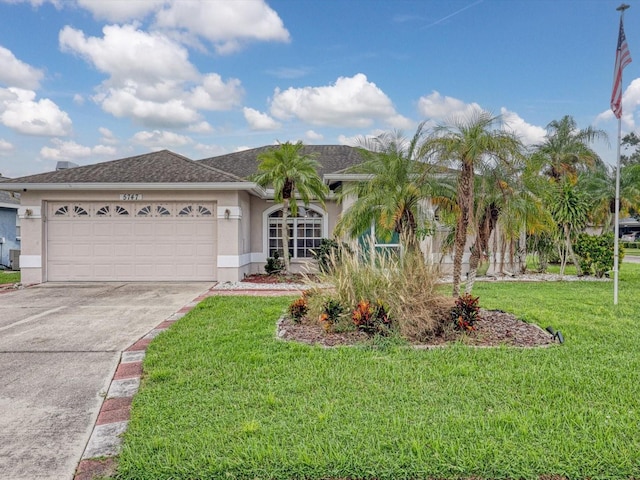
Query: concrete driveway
{"points": [[59, 347]]}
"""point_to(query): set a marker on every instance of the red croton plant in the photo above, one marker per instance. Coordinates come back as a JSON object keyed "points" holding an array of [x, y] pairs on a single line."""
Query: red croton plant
{"points": [[465, 312]]}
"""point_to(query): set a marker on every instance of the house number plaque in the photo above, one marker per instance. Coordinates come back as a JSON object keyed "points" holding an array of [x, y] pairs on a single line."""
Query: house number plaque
{"points": [[130, 196]]}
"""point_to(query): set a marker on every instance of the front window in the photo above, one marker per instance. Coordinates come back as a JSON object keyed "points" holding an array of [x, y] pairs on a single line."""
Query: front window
{"points": [[305, 233]]}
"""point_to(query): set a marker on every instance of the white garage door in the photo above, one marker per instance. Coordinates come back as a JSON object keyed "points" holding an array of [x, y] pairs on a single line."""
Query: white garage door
{"points": [[101, 241]]}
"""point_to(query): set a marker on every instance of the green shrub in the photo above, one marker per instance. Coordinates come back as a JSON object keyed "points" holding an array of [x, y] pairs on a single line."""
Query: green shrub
{"points": [[275, 264], [596, 253], [466, 312], [329, 253]]}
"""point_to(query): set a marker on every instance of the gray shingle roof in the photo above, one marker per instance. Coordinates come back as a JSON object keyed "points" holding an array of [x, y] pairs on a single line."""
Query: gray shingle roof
{"points": [[157, 167], [6, 197], [332, 159]]}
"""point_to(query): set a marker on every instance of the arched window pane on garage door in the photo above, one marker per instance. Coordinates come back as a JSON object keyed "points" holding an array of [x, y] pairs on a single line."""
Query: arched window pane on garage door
{"points": [[305, 233]]}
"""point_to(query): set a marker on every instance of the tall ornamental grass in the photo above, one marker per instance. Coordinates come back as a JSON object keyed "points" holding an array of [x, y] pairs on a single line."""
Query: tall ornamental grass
{"points": [[405, 285]]}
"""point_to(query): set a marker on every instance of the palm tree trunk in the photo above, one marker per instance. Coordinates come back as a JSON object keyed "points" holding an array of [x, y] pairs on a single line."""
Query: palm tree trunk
{"points": [[563, 258], [285, 234], [522, 251], [570, 251], [486, 226], [465, 197], [474, 261]]}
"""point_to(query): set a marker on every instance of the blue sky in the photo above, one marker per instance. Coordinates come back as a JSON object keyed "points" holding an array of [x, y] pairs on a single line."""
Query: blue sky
{"points": [[95, 80]]}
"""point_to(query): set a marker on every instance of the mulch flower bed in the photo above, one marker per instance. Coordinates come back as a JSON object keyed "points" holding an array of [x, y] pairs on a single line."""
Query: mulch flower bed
{"points": [[493, 328]]}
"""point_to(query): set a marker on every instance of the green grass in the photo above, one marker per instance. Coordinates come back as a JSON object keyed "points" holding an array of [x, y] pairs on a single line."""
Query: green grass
{"points": [[635, 252], [9, 277], [222, 398]]}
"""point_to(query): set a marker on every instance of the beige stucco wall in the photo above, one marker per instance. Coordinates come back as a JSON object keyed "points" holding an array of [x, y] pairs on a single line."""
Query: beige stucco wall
{"points": [[234, 236], [240, 243], [32, 214]]}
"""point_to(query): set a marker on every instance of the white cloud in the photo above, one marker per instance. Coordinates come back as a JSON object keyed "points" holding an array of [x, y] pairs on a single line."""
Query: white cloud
{"points": [[15, 73], [78, 99], [5, 147], [349, 141], [529, 134], [103, 150], [215, 94], [227, 25], [209, 150], [124, 102], [312, 136], [160, 139], [120, 11], [36, 3], [107, 136], [70, 150], [259, 121], [21, 112], [202, 127], [357, 140], [150, 78], [350, 102], [437, 107], [126, 53]]}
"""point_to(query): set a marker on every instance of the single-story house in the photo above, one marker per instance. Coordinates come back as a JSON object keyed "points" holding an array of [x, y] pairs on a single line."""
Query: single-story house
{"points": [[162, 216], [9, 228]]}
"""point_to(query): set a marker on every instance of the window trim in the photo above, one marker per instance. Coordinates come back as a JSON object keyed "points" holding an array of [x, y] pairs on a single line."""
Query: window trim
{"points": [[265, 228]]}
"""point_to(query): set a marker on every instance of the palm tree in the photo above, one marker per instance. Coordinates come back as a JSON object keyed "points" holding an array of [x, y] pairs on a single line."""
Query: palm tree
{"points": [[565, 151], [291, 174], [525, 213], [491, 193], [507, 207], [600, 186], [569, 207], [468, 143], [564, 155], [395, 189]]}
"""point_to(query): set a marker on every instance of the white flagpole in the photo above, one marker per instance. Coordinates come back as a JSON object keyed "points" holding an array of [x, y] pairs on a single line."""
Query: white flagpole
{"points": [[616, 241]]}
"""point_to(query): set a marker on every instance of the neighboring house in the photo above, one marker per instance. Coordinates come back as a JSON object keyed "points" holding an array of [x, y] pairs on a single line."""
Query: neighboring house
{"points": [[161, 216], [628, 225], [9, 228]]}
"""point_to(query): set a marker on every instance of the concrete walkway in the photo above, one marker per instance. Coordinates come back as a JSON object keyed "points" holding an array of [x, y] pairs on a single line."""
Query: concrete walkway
{"points": [[60, 345]]}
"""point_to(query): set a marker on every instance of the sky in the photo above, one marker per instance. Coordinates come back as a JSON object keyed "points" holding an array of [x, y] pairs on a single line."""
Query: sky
{"points": [[93, 80]]}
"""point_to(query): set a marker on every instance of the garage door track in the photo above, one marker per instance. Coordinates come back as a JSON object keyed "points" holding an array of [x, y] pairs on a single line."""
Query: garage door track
{"points": [[59, 347]]}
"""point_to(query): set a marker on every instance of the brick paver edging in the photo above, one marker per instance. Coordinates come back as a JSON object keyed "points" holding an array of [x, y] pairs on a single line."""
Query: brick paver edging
{"points": [[104, 444]]}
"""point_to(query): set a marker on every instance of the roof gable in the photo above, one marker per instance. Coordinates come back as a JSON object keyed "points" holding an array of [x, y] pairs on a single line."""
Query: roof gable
{"points": [[156, 167], [332, 159]]}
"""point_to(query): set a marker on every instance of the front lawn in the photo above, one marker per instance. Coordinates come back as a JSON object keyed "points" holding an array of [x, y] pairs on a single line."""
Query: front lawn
{"points": [[222, 398], [9, 277]]}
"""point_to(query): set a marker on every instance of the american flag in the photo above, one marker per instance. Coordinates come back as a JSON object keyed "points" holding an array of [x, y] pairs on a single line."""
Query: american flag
{"points": [[623, 58]]}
